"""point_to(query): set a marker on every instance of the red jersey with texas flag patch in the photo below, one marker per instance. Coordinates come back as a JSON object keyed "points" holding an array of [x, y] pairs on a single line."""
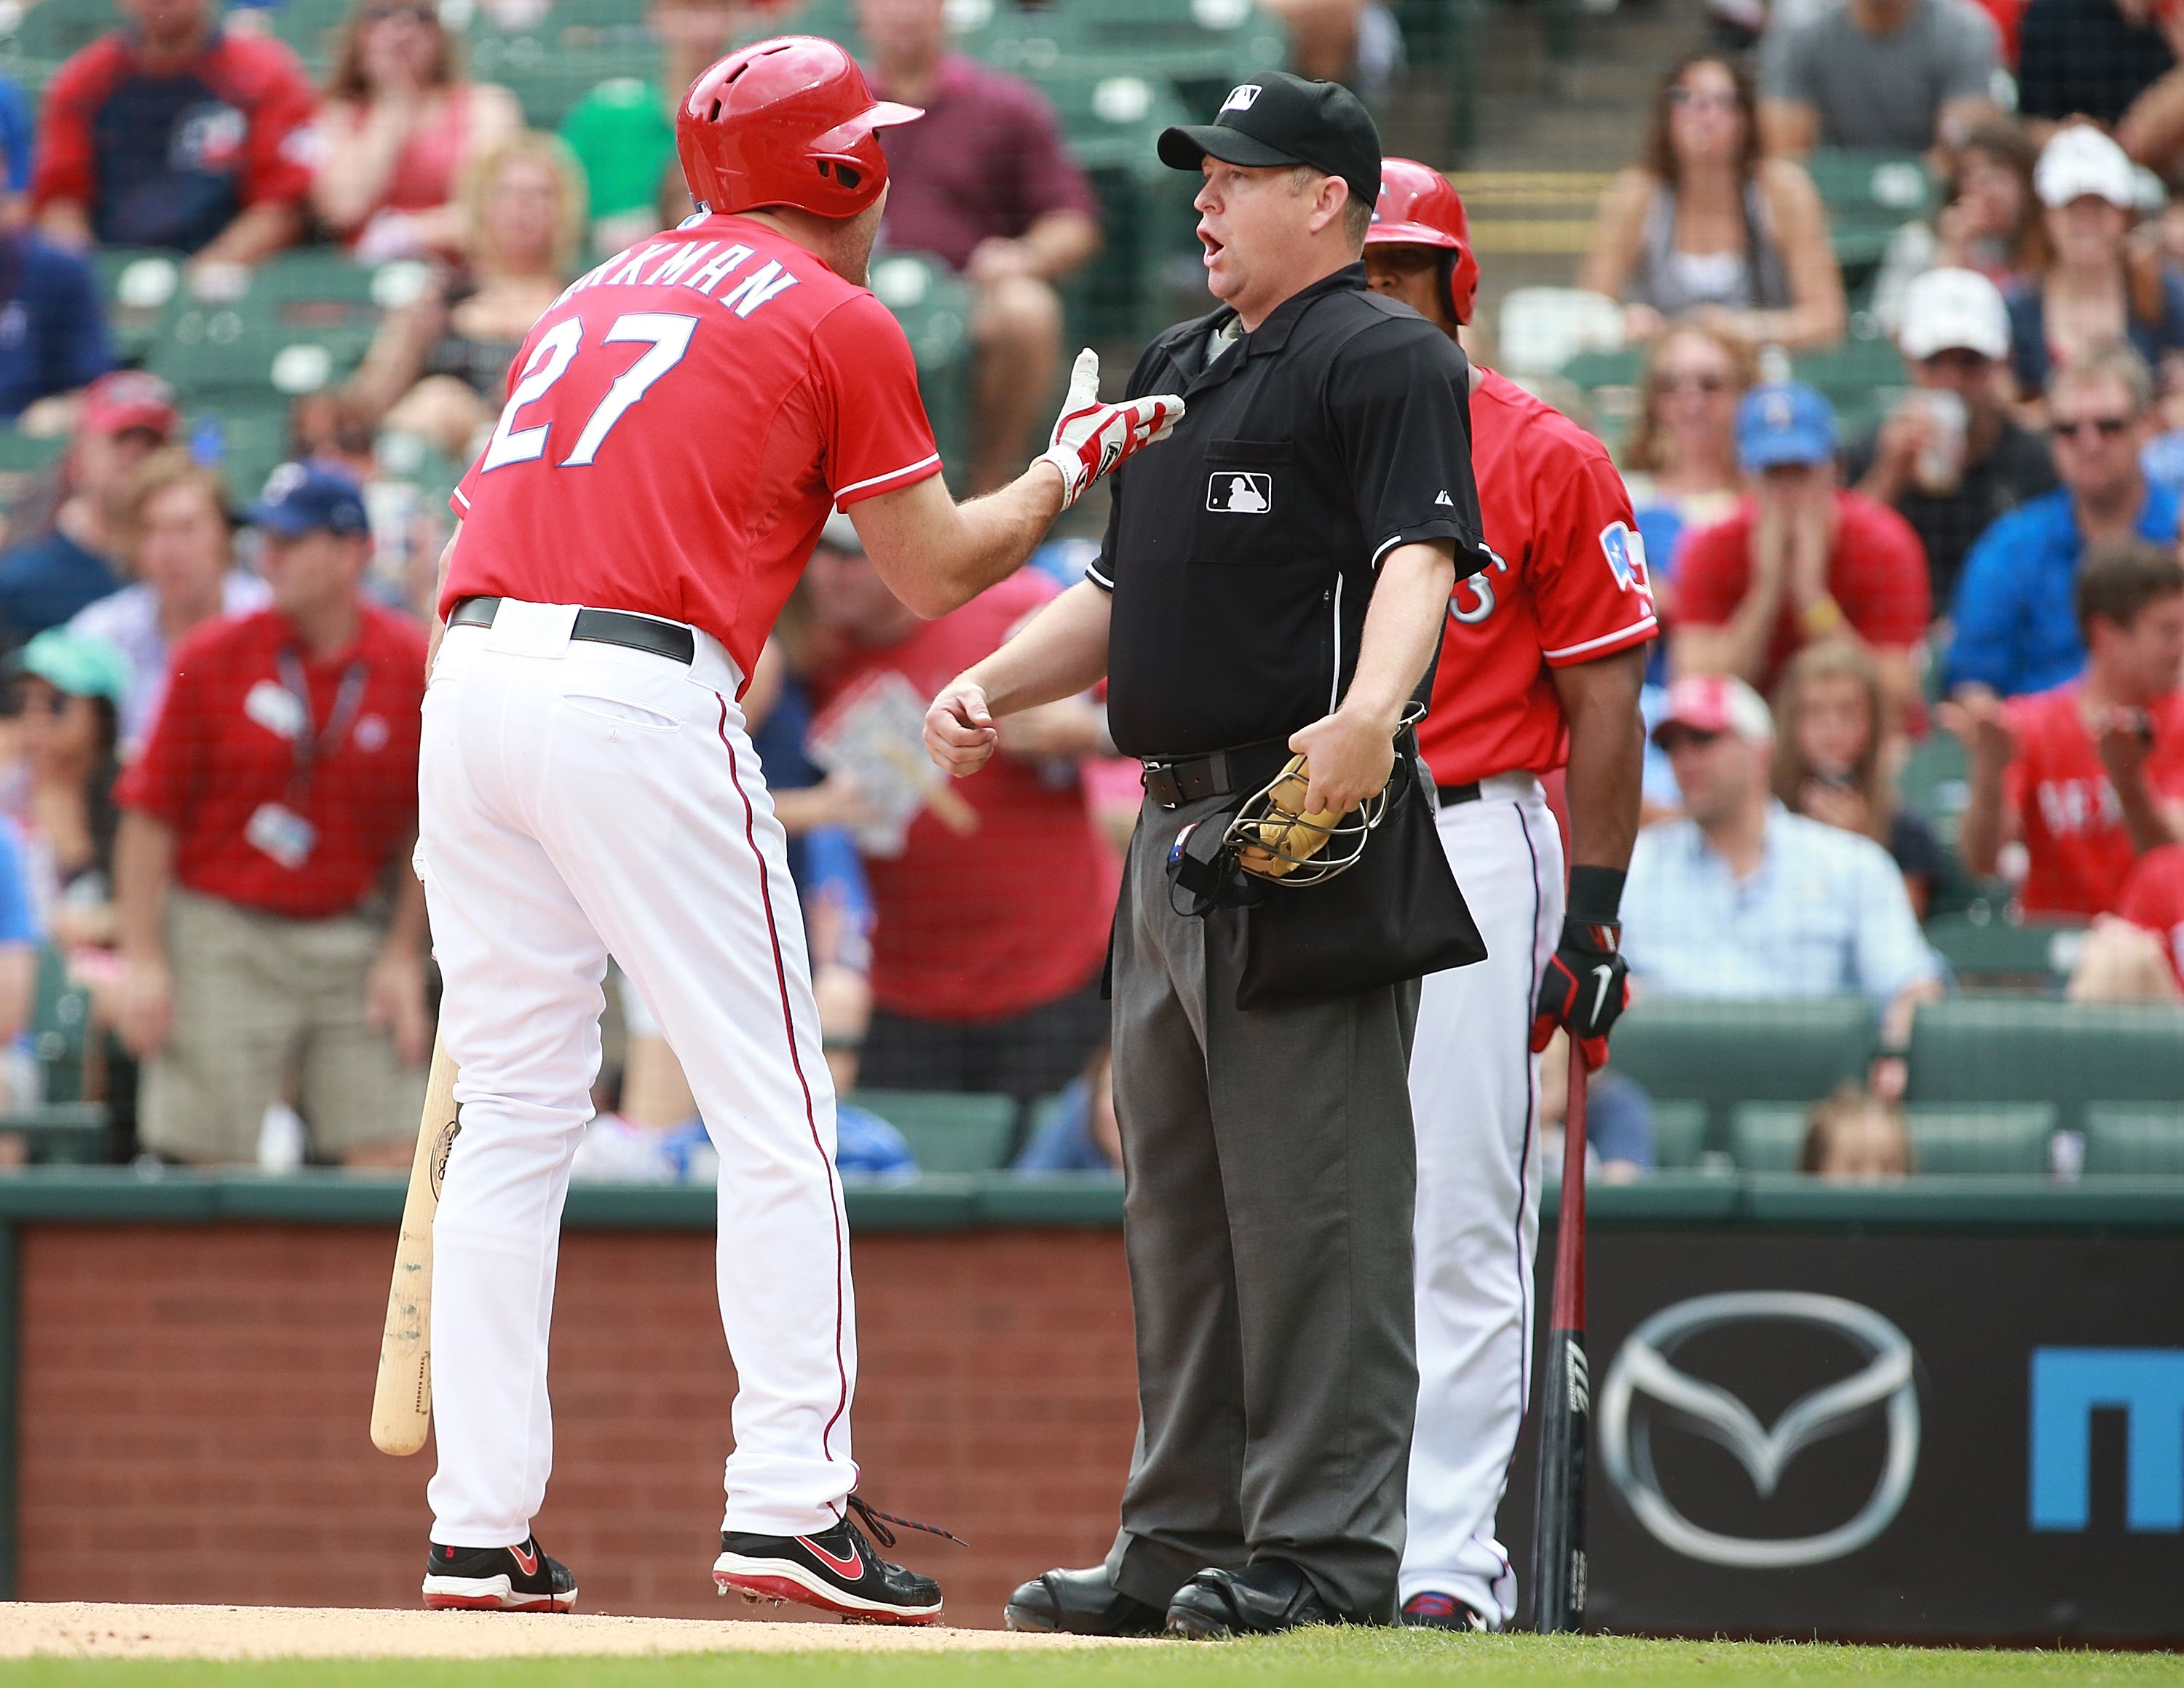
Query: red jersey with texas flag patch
{"points": [[679, 425], [2078, 851], [1569, 585]]}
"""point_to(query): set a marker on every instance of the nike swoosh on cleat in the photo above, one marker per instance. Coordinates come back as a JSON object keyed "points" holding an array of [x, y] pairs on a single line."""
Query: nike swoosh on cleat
{"points": [[529, 1562], [853, 1568]]}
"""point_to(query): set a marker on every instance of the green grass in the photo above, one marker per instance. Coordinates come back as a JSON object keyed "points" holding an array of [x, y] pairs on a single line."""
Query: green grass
{"points": [[1477, 1662]]}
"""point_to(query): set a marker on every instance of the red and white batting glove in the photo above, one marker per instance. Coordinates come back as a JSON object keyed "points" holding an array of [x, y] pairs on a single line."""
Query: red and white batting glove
{"points": [[1091, 436]]}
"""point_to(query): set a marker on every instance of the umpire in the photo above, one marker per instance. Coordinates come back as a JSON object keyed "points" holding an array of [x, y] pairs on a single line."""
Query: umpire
{"points": [[1273, 580]]}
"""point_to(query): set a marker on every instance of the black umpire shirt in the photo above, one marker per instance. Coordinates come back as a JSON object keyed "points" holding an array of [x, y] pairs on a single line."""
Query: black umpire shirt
{"points": [[1241, 551]]}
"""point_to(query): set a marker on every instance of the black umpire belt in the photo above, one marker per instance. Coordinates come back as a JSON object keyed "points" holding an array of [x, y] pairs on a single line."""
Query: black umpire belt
{"points": [[670, 639]]}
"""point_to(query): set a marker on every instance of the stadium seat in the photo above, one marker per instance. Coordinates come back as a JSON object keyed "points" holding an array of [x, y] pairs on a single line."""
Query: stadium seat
{"points": [[1932, 783], [1719, 1053], [1679, 1135], [22, 454], [934, 305], [2023, 1050], [948, 1131], [1770, 1137], [60, 1022], [2135, 1138], [66, 1133], [1982, 942], [1869, 195]]}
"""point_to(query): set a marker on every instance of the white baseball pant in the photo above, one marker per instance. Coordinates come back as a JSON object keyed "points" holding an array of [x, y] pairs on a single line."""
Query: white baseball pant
{"points": [[1475, 1095], [579, 799]]}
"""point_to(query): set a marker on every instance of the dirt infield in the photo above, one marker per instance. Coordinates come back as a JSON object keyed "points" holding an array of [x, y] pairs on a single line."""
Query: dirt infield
{"points": [[80, 1629]]}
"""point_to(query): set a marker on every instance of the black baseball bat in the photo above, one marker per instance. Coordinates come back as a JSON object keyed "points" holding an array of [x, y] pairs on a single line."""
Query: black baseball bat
{"points": [[1566, 1402]]}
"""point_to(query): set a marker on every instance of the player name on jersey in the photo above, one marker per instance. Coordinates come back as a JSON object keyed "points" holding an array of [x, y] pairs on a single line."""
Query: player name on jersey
{"points": [[701, 267]]}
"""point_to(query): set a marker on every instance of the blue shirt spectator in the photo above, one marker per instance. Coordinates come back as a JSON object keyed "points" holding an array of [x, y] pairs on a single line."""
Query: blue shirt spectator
{"points": [[53, 327], [18, 913], [1824, 914], [45, 581], [17, 132], [2016, 628], [1077, 1132]]}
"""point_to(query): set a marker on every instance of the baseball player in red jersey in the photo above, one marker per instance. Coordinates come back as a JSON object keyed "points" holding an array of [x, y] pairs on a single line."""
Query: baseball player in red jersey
{"points": [[1540, 664], [679, 425]]}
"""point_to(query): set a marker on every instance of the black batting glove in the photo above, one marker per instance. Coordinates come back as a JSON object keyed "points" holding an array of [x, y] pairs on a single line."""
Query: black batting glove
{"points": [[1586, 985]]}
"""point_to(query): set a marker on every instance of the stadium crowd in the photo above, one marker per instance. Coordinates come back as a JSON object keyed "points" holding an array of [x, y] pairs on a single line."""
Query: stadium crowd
{"points": [[1926, 627]]}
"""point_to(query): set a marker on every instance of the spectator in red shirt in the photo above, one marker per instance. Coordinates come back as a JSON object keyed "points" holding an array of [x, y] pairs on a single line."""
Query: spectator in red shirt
{"points": [[1801, 560], [2136, 954], [984, 181], [272, 933], [988, 944], [173, 132], [2090, 776]]}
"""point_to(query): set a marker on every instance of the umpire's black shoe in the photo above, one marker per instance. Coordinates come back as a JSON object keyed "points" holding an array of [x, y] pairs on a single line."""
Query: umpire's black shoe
{"points": [[519, 1578], [835, 1570], [1431, 1610], [1263, 1599], [1079, 1603]]}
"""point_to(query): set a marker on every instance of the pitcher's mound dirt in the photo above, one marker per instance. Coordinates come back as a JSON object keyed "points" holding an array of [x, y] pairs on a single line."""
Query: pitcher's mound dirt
{"points": [[84, 1630]]}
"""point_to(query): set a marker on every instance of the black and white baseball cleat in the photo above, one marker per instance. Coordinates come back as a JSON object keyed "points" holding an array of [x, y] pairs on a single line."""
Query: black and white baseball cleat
{"points": [[836, 1570], [524, 1577]]}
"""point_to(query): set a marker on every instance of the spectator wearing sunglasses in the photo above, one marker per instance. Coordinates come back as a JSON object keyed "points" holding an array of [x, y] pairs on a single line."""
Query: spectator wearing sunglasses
{"points": [[1705, 227], [1680, 462], [2014, 630], [1951, 459], [1741, 898], [399, 132]]}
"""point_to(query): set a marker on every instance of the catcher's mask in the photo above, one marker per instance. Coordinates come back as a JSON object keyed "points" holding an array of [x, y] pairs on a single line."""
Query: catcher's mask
{"points": [[1274, 841]]}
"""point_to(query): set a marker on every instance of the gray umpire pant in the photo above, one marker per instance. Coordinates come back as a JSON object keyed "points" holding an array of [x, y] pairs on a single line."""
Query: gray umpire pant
{"points": [[1270, 1174]]}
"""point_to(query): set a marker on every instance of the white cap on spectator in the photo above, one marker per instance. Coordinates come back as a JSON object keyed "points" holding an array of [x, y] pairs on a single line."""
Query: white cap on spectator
{"points": [[2080, 161], [1953, 310]]}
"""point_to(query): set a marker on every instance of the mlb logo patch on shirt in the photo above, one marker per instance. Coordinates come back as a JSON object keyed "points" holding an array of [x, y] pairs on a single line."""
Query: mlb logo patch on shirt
{"points": [[1240, 493]]}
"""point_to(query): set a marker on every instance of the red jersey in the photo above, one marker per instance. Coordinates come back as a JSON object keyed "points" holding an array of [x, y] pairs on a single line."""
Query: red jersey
{"points": [[1015, 916], [2078, 848], [170, 160], [1568, 584], [679, 425], [234, 739], [1877, 574], [2153, 897]]}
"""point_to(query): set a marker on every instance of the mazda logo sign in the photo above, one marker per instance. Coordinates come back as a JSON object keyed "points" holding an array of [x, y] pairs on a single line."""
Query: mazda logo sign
{"points": [[1644, 1368]]}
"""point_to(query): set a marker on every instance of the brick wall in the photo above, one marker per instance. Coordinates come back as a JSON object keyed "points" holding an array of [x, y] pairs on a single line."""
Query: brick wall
{"points": [[196, 1400]]}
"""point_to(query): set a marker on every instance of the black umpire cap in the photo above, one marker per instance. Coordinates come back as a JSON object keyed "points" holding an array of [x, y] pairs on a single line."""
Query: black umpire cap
{"points": [[1284, 119]]}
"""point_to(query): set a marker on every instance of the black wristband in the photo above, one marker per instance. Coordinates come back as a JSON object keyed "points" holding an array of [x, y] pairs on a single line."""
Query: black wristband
{"points": [[1595, 894]]}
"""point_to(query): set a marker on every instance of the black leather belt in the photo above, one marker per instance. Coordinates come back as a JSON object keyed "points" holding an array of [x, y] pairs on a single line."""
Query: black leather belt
{"points": [[1450, 795], [670, 639], [1172, 782]]}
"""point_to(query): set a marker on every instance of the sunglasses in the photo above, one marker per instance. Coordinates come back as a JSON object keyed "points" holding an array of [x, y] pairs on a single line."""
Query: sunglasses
{"points": [[1682, 737], [2107, 427], [1960, 360], [1708, 384], [416, 14], [42, 702], [1698, 99]]}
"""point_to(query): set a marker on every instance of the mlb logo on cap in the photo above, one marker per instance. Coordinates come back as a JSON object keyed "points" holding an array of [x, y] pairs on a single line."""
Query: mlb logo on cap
{"points": [[1240, 97]]}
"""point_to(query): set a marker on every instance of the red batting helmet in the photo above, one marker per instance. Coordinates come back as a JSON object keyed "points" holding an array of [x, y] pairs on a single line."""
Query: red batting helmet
{"points": [[785, 122], [1418, 207]]}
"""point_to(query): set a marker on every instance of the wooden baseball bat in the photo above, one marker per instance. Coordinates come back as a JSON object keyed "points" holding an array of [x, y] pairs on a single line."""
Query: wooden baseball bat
{"points": [[1566, 1405], [402, 1401]]}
